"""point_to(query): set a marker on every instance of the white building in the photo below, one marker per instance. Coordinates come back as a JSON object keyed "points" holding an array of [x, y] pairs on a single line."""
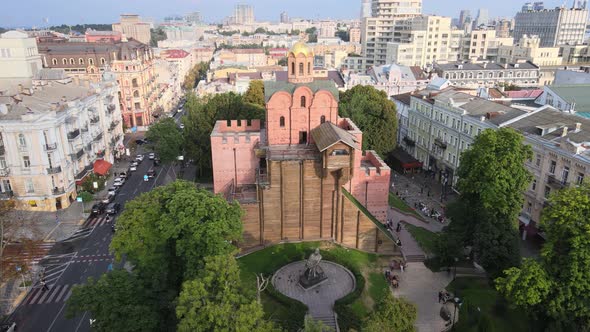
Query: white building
{"points": [[554, 27]]}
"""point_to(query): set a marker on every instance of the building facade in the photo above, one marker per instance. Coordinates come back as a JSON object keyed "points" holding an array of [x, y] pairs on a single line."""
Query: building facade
{"points": [[19, 56], [529, 49], [555, 27], [132, 27], [303, 177], [473, 75]]}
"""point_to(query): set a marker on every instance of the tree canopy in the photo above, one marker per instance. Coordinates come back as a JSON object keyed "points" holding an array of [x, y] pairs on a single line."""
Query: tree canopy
{"points": [[492, 179], [166, 138], [391, 314], [557, 286], [374, 114], [255, 93], [157, 35], [197, 73]]}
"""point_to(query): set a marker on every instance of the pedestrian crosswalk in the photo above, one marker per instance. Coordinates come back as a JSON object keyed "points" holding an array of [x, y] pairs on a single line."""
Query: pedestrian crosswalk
{"points": [[54, 294], [30, 253], [97, 221], [52, 273], [93, 258]]}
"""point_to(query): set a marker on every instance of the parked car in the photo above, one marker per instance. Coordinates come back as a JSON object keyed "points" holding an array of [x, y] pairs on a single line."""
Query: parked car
{"points": [[139, 158], [132, 168], [182, 126], [119, 182], [113, 208], [98, 208], [152, 156], [124, 175], [9, 327], [108, 199], [139, 141], [113, 191], [151, 173]]}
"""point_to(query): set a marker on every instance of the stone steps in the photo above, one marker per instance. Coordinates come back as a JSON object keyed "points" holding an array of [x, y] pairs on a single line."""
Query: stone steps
{"points": [[415, 258], [329, 321]]}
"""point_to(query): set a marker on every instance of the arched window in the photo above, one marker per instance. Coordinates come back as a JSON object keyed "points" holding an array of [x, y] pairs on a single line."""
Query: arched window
{"points": [[91, 70], [81, 61], [21, 140], [303, 101], [323, 119], [134, 82], [72, 62], [136, 93], [282, 121], [301, 68], [91, 61], [102, 61], [64, 61], [292, 68], [309, 68], [54, 61]]}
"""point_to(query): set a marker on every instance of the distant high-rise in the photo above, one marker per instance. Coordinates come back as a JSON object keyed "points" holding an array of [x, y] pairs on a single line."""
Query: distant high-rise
{"points": [[554, 27], [133, 27], [482, 17], [463, 15], [194, 17], [284, 17], [243, 14], [366, 9], [539, 5]]}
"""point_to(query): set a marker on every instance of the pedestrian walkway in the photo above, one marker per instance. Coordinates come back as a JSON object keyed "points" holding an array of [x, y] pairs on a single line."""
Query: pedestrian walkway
{"points": [[97, 221], [420, 286], [55, 294], [93, 258], [20, 253]]}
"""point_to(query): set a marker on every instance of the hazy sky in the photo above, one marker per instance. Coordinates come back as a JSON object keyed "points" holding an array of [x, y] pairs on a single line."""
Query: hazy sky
{"points": [[33, 12]]}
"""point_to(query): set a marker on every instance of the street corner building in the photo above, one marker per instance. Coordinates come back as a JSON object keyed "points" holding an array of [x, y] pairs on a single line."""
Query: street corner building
{"points": [[302, 175]]}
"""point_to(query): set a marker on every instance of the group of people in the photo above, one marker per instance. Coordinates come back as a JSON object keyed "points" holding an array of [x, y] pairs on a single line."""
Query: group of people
{"points": [[43, 282], [444, 296], [393, 279]]}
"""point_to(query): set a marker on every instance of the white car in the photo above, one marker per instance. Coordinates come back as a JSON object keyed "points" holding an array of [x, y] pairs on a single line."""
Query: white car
{"points": [[119, 182], [181, 126], [139, 158], [133, 166], [113, 191], [152, 156]]}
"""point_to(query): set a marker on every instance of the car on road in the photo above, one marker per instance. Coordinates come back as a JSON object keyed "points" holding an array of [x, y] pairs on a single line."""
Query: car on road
{"points": [[119, 182], [108, 199], [113, 208], [10, 327], [139, 158], [152, 156], [113, 191], [132, 168], [151, 173], [98, 208], [124, 175]]}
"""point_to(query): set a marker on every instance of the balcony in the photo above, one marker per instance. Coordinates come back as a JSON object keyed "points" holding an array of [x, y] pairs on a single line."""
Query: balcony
{"points": [[94, 120], [97, 137], [440, 143], [409, 142], [556, 183], [58, 191], [113, 125], [4, 171], [6, 195], [50, 146], [2, 150], [54, 170], [77, 155], [72, 135], [111, 108]]}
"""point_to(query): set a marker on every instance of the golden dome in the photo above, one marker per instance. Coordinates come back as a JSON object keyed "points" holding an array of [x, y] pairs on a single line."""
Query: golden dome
{"points": [[301, 47]]}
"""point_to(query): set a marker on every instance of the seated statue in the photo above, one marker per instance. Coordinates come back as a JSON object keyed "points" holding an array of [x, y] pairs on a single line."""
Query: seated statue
{"points": [[313, 274]]}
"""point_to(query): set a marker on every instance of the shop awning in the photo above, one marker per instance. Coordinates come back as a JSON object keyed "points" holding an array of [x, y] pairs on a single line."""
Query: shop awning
{"points": [[403, 160], [101, 167]]}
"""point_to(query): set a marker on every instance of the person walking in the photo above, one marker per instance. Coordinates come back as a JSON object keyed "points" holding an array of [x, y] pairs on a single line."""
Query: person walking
{"points": [[401, 266], [398, 228], [440, 296], [44, 285]]}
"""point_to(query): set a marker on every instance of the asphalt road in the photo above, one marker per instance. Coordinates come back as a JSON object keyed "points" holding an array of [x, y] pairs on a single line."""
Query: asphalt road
{"points": [[72, 261]]}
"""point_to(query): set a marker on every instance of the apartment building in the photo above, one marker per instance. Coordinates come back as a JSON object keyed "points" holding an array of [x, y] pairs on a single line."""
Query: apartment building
{"points": [[424, 40], [473, 75], [133, 27], [19, 56], [327, 29], [395, 79], [378, 29], [482, 44], [130, 60], [554, 27], [529, 48]]}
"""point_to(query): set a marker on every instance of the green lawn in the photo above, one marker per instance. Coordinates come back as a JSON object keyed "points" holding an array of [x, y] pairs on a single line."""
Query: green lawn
{"points": [[397, 203], [270, 259], [493, 309], [425, 238]]}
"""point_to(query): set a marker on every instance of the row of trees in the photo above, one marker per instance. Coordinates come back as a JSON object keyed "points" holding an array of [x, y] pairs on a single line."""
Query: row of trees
{"points": [[180, 242], [197, 73]]}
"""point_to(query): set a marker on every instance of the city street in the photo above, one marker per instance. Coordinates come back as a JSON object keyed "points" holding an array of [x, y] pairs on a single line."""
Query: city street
{"points": [[84, 254]]}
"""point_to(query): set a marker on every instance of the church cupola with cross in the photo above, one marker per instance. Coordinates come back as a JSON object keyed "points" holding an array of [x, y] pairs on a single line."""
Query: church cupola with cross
{"points": [[300, 61]]}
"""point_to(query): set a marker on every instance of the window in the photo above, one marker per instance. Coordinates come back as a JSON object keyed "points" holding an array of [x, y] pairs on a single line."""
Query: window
{"points": [[3, 162], [22, 142], [529, 207], [90, 61], [282, 121], [134, 82], [102, 61], [309, 68], [54, 62], [136, 94], [29, 187], [81, 61], [72, 62], [64, 61], [302, 101], [26, 161], [339, 152], [534, 185], [552, 166], [323, 119], [565, 174], [137, 106], [538, 162], [292, 68], [547, 191], [579, 178], [301, 68], [303, 137]]}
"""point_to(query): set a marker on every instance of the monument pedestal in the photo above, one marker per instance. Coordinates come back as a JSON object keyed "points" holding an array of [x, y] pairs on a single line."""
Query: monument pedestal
{"points": [[309, 280]]}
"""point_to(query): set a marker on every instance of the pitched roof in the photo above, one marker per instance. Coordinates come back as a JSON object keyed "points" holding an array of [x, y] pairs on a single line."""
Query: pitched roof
{"points": [[328, 134], [270, 88], [175, 54], [577, 93]]}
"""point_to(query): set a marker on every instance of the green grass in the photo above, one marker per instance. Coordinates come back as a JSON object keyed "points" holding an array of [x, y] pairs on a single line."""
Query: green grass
{"points": [[399, 204], [493, 309], [425, 238], [268, 260]]}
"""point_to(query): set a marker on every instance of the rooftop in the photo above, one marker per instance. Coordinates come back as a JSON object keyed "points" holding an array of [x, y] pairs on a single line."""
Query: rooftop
{"points": [[328, 134], [270, 88], [484, 66], [574, 93]]}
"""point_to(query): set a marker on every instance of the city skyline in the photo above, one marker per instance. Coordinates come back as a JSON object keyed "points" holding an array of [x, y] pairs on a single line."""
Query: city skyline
{"points": [[60, 12]]}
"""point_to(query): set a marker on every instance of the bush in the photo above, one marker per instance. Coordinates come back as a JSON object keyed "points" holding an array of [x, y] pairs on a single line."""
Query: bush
{"points": [[88, 184], [297, 310], [347, 318], [86, 196]]}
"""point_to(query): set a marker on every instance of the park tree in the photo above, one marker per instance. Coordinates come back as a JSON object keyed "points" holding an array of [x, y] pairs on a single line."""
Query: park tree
{"points": [[117, 301], [374, 114], [166, 138], [214, 301], [391, 314], [195, 74], [492, 179], [156, 35], [255, 93], [559, 283]]}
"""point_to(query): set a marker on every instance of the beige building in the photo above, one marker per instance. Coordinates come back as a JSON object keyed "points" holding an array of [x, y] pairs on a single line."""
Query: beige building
{"points": [[132, 27], [355, 35], [482, 44], [19, 56], [529, 48], [423, 40], [53, 129], [378, 29]]}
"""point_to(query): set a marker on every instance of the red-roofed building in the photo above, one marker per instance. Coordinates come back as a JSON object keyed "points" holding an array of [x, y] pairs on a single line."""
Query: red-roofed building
{"points": [[174, 54], [94, 36]]}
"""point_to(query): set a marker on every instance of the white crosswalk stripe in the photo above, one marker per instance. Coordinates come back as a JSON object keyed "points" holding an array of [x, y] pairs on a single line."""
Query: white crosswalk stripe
{"points": [[96, 221], [55, 294]]}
